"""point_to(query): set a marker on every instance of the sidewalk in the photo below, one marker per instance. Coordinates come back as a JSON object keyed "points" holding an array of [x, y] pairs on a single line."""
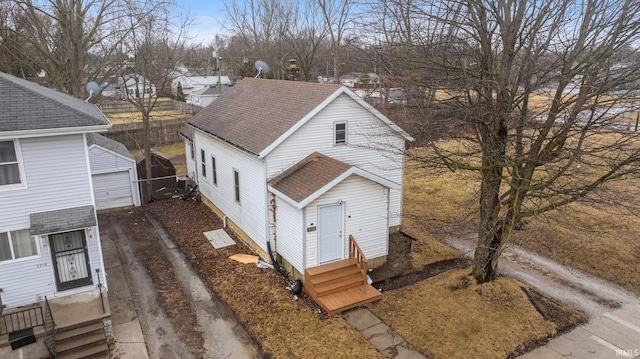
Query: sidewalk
{"points": [[126, 327]]}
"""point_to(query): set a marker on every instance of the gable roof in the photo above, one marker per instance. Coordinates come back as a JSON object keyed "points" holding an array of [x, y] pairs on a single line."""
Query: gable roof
{"points": [[310, 178], [26, 107], [256, 115], [108, 144]]}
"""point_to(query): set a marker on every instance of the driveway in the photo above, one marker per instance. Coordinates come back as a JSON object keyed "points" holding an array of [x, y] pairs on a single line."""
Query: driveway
{"points": [[222, 336]]}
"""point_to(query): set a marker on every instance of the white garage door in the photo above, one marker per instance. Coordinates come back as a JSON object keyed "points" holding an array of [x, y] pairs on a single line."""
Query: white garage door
{"points": [[112, 190]]}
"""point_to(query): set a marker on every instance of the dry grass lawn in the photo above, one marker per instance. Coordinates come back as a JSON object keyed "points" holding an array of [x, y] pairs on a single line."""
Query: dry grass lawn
{"points": [[449, 316], [601, 241], [129, 117]]}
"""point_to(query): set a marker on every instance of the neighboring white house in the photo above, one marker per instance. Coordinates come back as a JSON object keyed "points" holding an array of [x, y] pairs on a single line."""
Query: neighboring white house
{"points": [[49, 238], [113, 169], [206, 95], [298, 167], [135, 85], [192, 83]]}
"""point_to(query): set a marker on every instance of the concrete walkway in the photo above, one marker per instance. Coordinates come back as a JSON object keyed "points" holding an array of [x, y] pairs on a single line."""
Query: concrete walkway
{"points": [[613, 330], [386, 341], [126, 327]]}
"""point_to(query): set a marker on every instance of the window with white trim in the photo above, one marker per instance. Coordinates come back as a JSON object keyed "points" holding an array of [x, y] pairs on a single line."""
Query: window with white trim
{"points": [[9, 164], [16, 245], [236, 185], [214, 174], [340, 133], [203, 164]]}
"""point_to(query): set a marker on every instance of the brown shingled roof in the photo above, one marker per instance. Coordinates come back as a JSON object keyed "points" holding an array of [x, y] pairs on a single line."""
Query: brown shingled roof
{"points": [[186, 132], [308, 176], [254, 113]]}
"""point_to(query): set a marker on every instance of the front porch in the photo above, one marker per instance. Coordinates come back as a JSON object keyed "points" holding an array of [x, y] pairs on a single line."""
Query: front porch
{"points": [[74, 329], [341, 285]]}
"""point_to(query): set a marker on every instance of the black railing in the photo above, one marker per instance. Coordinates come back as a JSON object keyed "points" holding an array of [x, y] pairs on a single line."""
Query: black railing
{"points": [[20, 320], [100, 286], [49, 329]]}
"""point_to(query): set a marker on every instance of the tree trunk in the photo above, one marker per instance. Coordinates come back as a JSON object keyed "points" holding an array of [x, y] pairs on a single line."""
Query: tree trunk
{"points": [[147, 156]]}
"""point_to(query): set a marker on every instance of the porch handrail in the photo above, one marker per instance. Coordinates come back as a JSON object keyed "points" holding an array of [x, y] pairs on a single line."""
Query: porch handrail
{"points": [[49, 329], [21, 319], [356, 253]]}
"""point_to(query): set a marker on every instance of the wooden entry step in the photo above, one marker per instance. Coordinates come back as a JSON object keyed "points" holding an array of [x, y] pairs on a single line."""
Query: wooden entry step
{"points": [[339, 286]]}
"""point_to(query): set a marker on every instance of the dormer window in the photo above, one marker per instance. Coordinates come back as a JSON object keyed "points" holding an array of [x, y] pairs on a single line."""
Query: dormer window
{"points": [[340, 133]]}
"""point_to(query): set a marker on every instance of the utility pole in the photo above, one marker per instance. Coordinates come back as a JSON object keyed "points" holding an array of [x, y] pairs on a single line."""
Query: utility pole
{"points": [[215, 54]]}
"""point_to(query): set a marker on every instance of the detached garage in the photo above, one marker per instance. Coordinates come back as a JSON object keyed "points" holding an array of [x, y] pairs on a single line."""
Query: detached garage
{"points": [[113, 170]]}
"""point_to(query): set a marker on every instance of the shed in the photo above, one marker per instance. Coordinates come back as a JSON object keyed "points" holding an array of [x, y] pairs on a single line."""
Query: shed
{"points": [[163, 174], [113, 172]]}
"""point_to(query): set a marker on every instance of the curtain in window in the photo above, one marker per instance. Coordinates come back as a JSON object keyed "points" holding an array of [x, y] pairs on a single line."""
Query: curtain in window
{"points": [[23, 244], [9, 174], [5, 250]]}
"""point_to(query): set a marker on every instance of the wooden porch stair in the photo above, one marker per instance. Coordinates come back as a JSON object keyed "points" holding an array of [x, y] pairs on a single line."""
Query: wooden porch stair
{"points": [[341, 285]]}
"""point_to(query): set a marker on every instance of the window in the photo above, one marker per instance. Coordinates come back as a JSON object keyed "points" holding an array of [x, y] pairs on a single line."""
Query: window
{"points": [[203, 164], [340, 133], [214, 174], [9, 165], [16, 245], [236, 184], [192, 151]]}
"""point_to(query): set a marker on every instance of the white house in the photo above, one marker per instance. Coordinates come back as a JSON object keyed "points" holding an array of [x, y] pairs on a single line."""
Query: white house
{"points": [[206, 95], [192, 83], [297, 168], [113, 172], [49, 238]]}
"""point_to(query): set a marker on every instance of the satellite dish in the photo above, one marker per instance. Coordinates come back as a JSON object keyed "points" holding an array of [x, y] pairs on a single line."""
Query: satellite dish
{"points": [[262, 67], [92, 88]]}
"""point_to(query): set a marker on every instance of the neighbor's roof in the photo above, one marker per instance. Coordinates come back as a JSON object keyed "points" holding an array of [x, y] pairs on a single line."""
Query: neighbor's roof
{"points": [[26, 106], [187, 132], [257, 114], [308, 179], [109, 144]]}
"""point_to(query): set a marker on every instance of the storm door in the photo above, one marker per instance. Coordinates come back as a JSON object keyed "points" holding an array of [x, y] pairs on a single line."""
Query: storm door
{"points": [[70, 259]]}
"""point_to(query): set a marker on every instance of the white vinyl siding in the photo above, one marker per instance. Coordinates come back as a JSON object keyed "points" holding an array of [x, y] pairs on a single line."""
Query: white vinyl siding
{"points": [[372, 146], [58, 174], [251, 215], [289, 234], [365, 218], [191, 160]]}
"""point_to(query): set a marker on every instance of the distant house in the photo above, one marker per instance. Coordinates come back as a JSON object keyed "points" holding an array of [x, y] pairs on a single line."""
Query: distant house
{"points": [[134, 85], [49, 237], [348, 80], [193, 83], [114, 173], [206, 95], [310, 173]]}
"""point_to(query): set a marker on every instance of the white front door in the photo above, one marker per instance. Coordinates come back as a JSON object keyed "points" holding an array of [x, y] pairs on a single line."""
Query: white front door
{"points": [[330, 233]]}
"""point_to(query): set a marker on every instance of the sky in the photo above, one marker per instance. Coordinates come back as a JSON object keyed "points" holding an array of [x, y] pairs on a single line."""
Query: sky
{"points": [[207, 15]]}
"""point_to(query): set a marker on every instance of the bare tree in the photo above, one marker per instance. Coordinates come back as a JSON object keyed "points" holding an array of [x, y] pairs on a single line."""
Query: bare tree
{"points": [[70, 40], [148, 58], [305, 35], [337, 16], [543, 87]]}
